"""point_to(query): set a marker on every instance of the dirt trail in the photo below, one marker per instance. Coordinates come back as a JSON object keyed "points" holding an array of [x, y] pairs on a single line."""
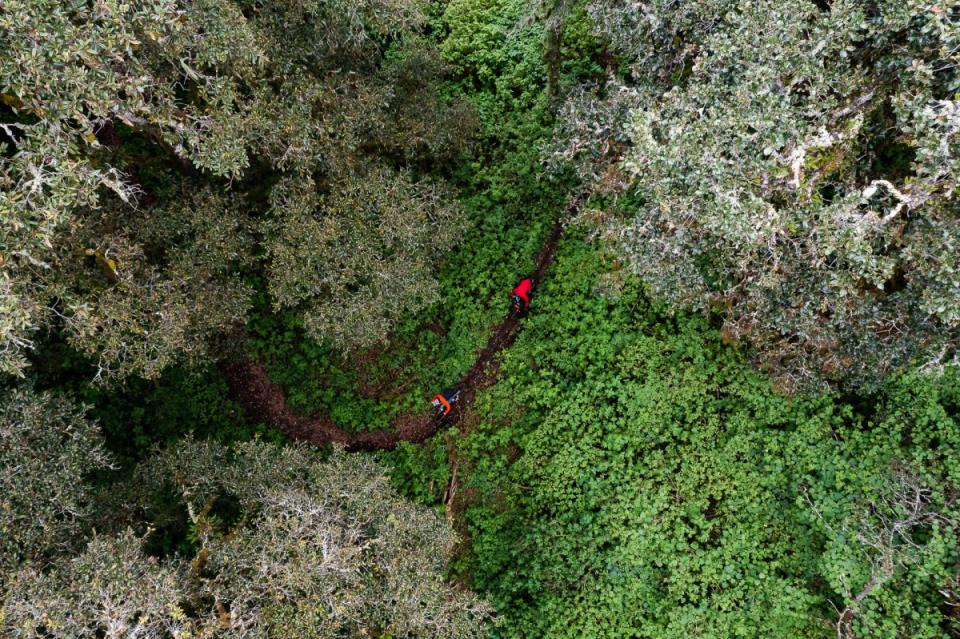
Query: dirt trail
{"points": [[264, 401]]}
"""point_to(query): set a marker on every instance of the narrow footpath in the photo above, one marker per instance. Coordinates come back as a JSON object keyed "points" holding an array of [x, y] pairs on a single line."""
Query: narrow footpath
{"points": [[265, 402]]}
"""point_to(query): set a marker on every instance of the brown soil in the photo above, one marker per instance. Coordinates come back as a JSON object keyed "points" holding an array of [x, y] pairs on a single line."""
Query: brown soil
{"points": [[264, 401]]}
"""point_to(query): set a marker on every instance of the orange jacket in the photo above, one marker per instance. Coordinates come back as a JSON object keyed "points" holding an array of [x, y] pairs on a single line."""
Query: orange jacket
{"points": [[439, 400]]}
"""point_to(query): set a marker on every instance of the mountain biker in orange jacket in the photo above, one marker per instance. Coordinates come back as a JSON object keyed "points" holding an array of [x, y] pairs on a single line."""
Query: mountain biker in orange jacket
{"points": [[444, 401]]}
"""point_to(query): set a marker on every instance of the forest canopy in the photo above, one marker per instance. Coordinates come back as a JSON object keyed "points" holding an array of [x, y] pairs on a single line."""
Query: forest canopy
{"points": [[789, 166], [474, 319], [160, 155]]}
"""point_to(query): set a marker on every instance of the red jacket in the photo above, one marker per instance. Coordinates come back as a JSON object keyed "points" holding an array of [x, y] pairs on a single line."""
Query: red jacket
{"points": [[523, 290]]}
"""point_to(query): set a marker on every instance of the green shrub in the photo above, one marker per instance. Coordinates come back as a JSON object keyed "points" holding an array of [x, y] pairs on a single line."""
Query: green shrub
{"points": [[635, 478]]}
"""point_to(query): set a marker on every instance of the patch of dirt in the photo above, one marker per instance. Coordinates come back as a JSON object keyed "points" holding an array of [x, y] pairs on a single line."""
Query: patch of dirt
{"points": [[385, 388]]}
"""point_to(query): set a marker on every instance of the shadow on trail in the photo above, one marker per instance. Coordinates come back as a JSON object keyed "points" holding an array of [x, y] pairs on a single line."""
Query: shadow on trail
{"points": [[264, 401]]}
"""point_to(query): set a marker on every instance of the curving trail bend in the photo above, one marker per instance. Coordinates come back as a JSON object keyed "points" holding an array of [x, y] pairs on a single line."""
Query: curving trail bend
{"points": [[264, 401]]}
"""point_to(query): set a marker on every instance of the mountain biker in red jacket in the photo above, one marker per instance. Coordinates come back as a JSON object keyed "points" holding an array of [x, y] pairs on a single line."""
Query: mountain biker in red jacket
{"points": [[520, 298]]}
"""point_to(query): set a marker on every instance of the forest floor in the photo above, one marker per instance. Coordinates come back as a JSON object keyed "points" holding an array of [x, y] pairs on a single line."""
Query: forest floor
{"points": [[265, 401]]}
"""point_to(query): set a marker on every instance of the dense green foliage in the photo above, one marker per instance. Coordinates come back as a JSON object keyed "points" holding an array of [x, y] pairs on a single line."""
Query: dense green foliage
{"points": [[346, 192], [632, 477]]}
